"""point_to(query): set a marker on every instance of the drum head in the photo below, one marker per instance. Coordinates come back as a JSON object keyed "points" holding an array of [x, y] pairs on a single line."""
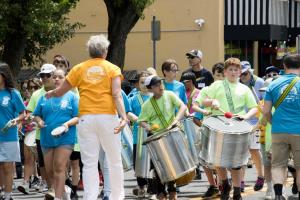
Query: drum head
{"points": [[221, 123], [29, 139], [58, 131]]}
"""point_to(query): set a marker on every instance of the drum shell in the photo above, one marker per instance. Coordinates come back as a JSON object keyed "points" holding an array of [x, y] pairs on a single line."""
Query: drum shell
{"points": [[142, 159], [223, 148], [193, 138], [170, 155], [127, 148]]}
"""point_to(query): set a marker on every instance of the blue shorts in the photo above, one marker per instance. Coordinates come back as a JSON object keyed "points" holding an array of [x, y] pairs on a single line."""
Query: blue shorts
{"points": [[10, 152]]}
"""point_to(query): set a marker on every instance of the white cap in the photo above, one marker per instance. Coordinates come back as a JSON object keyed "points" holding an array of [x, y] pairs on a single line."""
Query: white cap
{"points": [[47, 68], [196, 53]]}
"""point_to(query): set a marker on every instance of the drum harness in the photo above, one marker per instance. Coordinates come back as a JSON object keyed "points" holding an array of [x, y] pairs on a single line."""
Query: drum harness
{"points": [[160, 114]]}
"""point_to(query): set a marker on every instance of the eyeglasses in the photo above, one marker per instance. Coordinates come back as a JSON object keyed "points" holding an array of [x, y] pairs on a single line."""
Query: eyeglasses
{"points": [[47, 75], [59, 62], [59, 77], [244, 74], [173, 70], [272, 75], [35, 87]]}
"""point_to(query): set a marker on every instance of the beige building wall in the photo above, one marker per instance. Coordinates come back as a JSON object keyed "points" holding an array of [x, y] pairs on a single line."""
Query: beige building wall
{"points": [[179, 33]]}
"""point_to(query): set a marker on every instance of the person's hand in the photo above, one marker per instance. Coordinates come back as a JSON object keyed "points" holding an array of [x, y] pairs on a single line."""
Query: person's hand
{"points": [[215, 104], [174, 124], [119, 128], [206, 112], [41, 124], [240, 117]]}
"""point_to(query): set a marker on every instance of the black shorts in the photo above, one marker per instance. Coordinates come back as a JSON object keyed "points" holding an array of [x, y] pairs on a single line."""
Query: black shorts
{"points": [[40, 154], [75, 155]]}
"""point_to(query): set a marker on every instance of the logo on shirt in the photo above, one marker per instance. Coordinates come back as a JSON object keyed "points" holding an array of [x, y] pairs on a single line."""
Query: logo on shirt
{"points": [[5, 101], [95, 74], [64, 104], [292, 95]]}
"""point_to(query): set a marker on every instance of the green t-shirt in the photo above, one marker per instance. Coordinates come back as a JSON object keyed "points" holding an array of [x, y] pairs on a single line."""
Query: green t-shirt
{"points": [[167, 103], [33, 103], [242, 97]]}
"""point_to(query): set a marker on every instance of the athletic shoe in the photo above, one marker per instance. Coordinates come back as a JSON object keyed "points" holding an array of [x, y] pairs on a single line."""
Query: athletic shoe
{"points": [[43, 187], [237, 197], [242, 186], [259, 184], [294, 188], [50, 195], [67, 193], [279, 197], [269, 194], [212, 191], [34, 183], [80, 185], [24, 187]]}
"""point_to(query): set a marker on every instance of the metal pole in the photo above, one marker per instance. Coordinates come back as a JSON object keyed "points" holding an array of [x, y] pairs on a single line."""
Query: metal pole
{"points": [[298, 44], [154, 46]]}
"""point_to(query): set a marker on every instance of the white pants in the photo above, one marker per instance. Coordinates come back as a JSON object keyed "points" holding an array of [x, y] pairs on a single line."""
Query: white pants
{"points": [[105, 173], [97, 131]]}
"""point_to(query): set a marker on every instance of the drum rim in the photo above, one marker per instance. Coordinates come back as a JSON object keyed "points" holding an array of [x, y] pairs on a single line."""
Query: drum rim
{"points": [[160, 134], [181, 174]]}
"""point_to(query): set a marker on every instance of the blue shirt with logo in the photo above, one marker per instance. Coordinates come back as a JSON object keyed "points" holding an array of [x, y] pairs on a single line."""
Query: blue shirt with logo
{"points": [[56, 111], [178, 88], [11, 105], [286, 117], [136, 109]]}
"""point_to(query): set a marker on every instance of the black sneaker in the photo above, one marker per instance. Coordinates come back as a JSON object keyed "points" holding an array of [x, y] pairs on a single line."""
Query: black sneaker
{"points": [[212, 191], [74, 196], [225, 192], [294, 188], [279, 197], [259, 184], [237, 197]]}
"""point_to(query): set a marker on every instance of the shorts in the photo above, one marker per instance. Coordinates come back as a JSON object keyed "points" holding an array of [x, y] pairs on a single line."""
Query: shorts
{"points": [[75, 155], [10, 151], [282, 145], [254, 140], [265, 157], [40, 154], [66, 146]]}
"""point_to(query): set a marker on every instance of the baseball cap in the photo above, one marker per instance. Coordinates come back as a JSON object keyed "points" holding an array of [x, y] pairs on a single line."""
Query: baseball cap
{"points": [[152, 80], [272, 69], [195, 53], [246, 66], [47, 68]]}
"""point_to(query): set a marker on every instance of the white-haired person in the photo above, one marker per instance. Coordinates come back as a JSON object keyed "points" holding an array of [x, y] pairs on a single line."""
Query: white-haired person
{"points": [[99, 85]]}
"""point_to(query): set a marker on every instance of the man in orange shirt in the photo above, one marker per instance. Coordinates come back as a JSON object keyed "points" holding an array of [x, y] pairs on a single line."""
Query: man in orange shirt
{"points": [[99, 85]]}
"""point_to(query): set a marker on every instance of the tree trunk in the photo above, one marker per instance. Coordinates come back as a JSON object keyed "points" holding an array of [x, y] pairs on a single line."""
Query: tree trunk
{"points": [[121, 20], [13, 52]]}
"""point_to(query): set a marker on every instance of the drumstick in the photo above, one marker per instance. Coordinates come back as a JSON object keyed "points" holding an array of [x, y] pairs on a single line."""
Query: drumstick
{"points": [[228, 115]]}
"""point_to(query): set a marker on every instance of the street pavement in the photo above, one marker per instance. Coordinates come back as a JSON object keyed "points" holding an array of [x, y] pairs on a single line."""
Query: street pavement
{"points": [[193, 191]]}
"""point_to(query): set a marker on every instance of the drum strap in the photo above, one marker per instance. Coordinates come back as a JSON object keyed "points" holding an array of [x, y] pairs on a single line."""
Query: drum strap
{"points": [[229, 97], [191, 98], [159, 113], [286, 91]]}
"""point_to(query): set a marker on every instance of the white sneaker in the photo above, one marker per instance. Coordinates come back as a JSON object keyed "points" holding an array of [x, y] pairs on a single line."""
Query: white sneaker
{"points": [[50, 195], [270, 194], [24, 187], [67, 194], [43, 187]]}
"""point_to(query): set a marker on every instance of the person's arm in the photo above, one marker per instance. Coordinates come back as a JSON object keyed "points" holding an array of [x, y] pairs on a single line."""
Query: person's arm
{"points": [[71, 122], [180, 114], [39, 121], [118, 100], [61, 90], [132, 117], [196, 107], [267, 111], [251, 113], [146, 126]]}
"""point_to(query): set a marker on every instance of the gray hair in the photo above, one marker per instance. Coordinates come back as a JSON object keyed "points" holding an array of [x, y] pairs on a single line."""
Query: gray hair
{"points": [[98, 46]]}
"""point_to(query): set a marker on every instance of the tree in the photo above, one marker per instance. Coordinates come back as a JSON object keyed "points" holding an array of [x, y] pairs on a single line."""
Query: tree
{"points": [[29, 28], [122, 16]]}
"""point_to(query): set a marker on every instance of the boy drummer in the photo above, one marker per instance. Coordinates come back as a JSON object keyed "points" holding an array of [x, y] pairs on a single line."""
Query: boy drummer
{"points": [[157, 114], [230, 95]]}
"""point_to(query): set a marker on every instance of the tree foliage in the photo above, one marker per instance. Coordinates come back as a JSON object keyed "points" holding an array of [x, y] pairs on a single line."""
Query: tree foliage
{"points": [[122, 17], [29, 28]]}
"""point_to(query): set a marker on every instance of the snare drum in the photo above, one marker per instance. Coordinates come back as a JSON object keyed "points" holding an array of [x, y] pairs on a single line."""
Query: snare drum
{"points": [[225, 142], [171, 157], [127, 148]]}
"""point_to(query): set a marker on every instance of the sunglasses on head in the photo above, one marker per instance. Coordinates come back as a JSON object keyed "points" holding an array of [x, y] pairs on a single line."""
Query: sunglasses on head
{"points": [[48, 75]]}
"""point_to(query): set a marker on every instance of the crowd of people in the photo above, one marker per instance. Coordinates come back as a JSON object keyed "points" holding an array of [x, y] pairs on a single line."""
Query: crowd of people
{"points": [[68, 123]]}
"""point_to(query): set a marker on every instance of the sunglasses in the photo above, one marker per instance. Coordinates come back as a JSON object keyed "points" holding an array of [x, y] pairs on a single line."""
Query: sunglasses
{"points": [[244, 74], [191, 57], [48, 75], [35, 87]]}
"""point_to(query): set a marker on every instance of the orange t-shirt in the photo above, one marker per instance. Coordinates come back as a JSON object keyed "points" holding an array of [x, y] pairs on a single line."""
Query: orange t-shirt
{"points": [[93, 78]]}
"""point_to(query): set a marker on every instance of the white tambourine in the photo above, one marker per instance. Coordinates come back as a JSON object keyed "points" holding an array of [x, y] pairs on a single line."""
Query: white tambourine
{"points": [[59, 131]]}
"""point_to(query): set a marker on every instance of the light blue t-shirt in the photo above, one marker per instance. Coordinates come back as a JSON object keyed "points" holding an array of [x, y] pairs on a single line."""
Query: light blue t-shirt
{"points": [[56, 111], [178, 88], [11, 104], [136, 109], [133, 92], [286, 117], [126, 102]]}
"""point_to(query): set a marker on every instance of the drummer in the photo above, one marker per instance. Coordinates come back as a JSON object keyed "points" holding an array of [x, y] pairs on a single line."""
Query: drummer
{"points": [[136, 102], [158, 114], [50, 114], [230, 95]]}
